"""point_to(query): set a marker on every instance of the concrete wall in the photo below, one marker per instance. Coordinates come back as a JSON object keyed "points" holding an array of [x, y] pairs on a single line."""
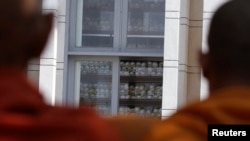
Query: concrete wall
{"points": [[61, 47], [183, 37], [186, 25], [194, 46], [171, 57], [47, 75], [47, 72]]}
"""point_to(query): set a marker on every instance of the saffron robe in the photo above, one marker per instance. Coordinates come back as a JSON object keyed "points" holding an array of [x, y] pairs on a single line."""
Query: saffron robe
{"points": [[225, 106], [24, 116]]}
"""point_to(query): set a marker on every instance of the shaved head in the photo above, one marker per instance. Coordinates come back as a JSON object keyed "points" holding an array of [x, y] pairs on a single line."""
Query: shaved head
{"points": [[227, 62], [19, 8], [30, 7], [23, 31], [229, 37]]}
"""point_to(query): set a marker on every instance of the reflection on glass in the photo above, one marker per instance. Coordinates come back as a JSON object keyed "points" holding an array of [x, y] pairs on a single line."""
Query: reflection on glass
{"points": [[145, 24], [96, 24], [96, 85]]}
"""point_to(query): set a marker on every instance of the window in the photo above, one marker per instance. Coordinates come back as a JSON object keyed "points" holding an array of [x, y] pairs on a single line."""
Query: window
{"points": [[106, 34]]}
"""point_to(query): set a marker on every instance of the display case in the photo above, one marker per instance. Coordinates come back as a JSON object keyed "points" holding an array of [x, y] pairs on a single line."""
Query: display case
{"points": [[123, 25], [130, 33], [95, 26], [140, 90], [118, 85], [145, 24], [95, 85]]}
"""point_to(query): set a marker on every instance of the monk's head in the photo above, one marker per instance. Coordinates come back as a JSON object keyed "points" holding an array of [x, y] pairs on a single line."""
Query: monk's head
{"points": [[228, 59], [23, 31]]}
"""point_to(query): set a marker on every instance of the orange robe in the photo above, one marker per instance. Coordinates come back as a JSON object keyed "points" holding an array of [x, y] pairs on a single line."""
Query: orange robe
{"points": [[225, 106], [25, 117]]}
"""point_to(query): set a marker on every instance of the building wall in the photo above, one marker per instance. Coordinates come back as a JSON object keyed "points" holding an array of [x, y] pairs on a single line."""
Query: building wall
{"points": [[194, 46], [171, 57], [62, 42], [43, 71], [186, 24]]}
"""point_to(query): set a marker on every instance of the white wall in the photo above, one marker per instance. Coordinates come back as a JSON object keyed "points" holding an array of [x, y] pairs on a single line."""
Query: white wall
{"points": [[186, 28], [61, 46], [171, 57], [194, 46], [47, 75], [183, 55]]}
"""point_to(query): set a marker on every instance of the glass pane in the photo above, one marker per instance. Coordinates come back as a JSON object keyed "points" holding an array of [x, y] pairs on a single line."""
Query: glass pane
{"points": [[96, 85], [145, 24], [140, 91], [95, 23]]}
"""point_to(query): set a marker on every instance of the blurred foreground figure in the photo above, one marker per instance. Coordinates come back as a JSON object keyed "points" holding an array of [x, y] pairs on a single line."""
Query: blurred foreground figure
{"points": [[23, 114], [227, 67]]}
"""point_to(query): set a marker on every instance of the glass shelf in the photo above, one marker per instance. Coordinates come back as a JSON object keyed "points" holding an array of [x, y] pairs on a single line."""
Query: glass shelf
{"points": [[140, 102], [94, 9], [139, 79], [152, 111], [97, 101], [144, 36], [97, 32]]}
